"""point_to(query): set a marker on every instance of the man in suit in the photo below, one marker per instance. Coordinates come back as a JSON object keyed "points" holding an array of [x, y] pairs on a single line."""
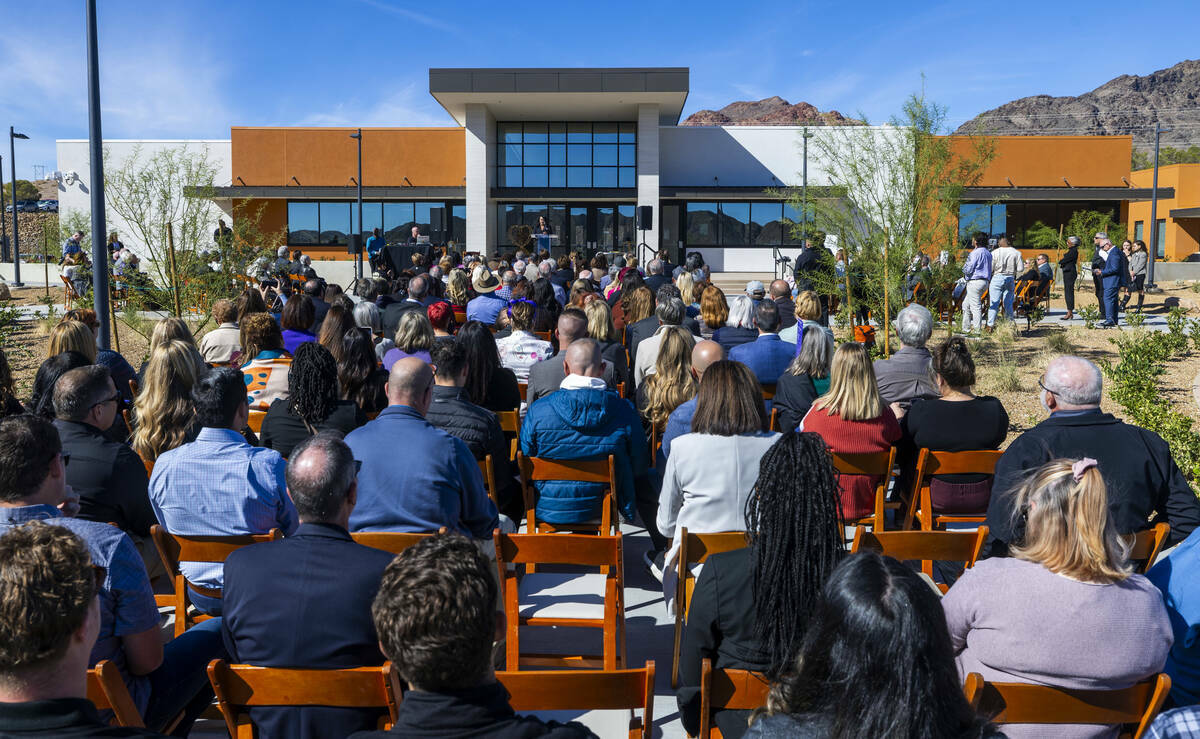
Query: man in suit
{"points": [[781, 293], [1099, 259], [315, 289], [418, 291], [768, 355], [305, 601], [1114, 276], [654, 275]]}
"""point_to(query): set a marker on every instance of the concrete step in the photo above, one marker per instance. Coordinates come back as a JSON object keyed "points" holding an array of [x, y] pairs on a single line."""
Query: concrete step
{"points": [[734, 283]]}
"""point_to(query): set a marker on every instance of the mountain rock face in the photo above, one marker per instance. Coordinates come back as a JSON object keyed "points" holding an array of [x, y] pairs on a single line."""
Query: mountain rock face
{"points": [[772, 111], [1127, 105]]}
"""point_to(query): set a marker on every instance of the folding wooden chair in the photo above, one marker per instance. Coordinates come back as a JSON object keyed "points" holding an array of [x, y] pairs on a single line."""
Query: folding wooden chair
{"points": [[774, 423], [590, 690], [510, 423], [591, 600], [1019, 703], [523, 388], [176, 548], [695, 549], [72, 295], [768, 390], [1145, 546], [390, 541], [734, 690], [930, 463], [489, 477], [536, 469], [543, 335], [881, 465], [460, 317], [240, 687], [927, 546], [255, 420], [108, 692]]}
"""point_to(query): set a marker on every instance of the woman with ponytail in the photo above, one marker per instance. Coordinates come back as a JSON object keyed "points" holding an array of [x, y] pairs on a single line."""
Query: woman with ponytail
{"points": [[1064, 609]]}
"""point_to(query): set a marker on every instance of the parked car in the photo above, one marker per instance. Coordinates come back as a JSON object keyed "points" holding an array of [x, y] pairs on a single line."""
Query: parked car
{"points": [[27, 206], [47, 206]]}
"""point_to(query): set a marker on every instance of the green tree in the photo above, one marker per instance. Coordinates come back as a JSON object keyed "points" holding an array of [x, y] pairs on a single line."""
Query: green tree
{"points": [[26, 190], [1166, 155], [1087, 223]]}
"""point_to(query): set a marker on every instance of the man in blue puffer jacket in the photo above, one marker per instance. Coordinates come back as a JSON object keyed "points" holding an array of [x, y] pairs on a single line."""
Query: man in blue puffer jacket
{"points": [[584, 420]]}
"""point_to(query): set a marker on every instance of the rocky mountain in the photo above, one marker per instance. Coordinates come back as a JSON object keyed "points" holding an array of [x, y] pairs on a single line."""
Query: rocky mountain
{"points": [[772, 111], [1128, 104]]}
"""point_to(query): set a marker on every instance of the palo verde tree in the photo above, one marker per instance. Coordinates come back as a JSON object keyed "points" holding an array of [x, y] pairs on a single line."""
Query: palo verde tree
{"points": [[898, 189]]}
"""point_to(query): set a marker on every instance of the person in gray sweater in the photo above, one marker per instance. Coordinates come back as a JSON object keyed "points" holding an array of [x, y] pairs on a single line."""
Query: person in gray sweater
{"points": [[1138, 260]]}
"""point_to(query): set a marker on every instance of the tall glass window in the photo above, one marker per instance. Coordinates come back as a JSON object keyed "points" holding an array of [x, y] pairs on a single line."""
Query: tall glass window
{"points": [[735, 221], [702, 224], [304, 224], [1160, 239], [335, 223], [397, 222], [329, 223], [372, 217], [1139, 230], [605, 228], [626, 226], [576, 154]]}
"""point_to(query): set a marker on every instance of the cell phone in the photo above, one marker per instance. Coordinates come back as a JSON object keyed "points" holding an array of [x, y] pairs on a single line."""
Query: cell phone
{"points": [[269, 283]]}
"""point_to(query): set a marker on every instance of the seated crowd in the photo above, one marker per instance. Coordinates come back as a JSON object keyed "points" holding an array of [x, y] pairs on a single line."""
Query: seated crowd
{"points": [[418, 405]]}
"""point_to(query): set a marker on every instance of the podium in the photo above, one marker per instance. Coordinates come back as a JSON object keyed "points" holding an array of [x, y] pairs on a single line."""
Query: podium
{"points": [[399, 256], [549, 242]]}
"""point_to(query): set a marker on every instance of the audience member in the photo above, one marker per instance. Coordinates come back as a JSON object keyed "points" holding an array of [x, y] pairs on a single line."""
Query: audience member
{"points": [[250, 301], [781, 295], [488, 383], [41, 401], [711, 470], [314, 288], [72, 336], [751, 607], [360, 379], [714, 311], [958, 421], [756, 291], [549, 299], [414, 337], [907, 376], [797, 388], [547, 375], [600, 327], [445, 489], [165, 415], [521, 349], [626, 313], [808, 318], [49, 620], [441, 318], [843, 684], [338, 321], [296, 320], [672, 383], [853, 419], [368, 317], [404, 302], [458, 290], [218, 485], [9, 404], [1174, 574], [977, 270], [305, 601], [223, 342], [436, 618], [767, 356], [312, 404], [485, 306], [654, 274], [121, 370], [739, 326], [1144, 483], [704, 355], [588, 422], [1064, 608], [265, 375], [670, 312], [161, 680]]}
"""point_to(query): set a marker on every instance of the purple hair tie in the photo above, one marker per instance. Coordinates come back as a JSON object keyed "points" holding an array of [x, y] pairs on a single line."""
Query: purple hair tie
{"points": [[1082, 466]]}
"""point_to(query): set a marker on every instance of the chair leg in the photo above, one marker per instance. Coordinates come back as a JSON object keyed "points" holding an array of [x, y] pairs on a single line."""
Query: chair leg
{"points": [[678, 639]]}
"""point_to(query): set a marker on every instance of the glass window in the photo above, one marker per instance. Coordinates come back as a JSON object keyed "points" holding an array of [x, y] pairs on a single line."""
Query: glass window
{"points": [[701, 224], [335, 223], [303, 223], [1000, 220], [558, 133], [766, 224], [558, 177], [627, 235], [604, 177], [579, 154], [791, 236], [535, 177], [1160, 238], [605, 133], [458, 223], [397, 222], [558, 221], [510, 154], [627, 177], [579, 176], [575, 144], [425, 217], [1139, 230], [628, 133], [579, 133], [604, 155], [535, 154], [531, 212], [735, 220], [558, 154], [973, 217], [372, 217], [668, 227], [509, 216], [535, 133], [510, 133], [605, 228], [510, 177], [579, 229], [628, 156]]}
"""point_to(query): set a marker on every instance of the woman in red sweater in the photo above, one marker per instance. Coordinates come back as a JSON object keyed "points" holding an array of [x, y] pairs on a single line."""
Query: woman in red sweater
{"points": [[853, 419]]}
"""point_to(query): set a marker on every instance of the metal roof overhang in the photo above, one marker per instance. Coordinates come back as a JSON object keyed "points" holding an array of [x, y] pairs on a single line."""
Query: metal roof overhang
{"points": [[684, 192], [1185, 213], [1064, 193], [274, 192]]}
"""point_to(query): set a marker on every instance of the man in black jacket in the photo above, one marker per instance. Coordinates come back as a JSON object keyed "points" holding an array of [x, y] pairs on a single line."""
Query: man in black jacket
{"points": [[315, 289], [1144, 484], [452, 411], [414, 299], [108, 476]]}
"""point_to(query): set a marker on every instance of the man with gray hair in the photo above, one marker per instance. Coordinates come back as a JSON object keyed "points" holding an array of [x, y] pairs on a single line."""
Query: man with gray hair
{"points": [[508, 280], [654, 274], [319, 572], [1145, 486], [545, 269], [908, 374], [670, 312]]}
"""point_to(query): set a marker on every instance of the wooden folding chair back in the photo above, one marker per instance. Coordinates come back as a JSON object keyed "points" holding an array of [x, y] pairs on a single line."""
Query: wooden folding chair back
{"points": [[734, 690], [695, 549], [768, 390], [460, 317], [774, 424], [538, 469], [1144, 546], [543, 335], [590, 690], [175, 548], [926, 546], [930, 463], [523, 388], [72, 296], [488, 471], [108, 691], [579, 550], [1021, 703], [255, 420], [510, 423], [881, 465], [239, 687], [390, 541]]}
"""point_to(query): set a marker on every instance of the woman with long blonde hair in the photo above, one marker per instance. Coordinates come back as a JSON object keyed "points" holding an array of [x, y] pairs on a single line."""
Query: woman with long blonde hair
{"points": [[1064, 609], [601, 328], [672, 383], [853, 419], [165, 415], [171, 329], [458, 289], [72, 336]]}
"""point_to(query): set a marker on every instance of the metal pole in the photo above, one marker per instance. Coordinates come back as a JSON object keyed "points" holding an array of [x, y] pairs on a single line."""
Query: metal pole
{"points": [[16, 247], [1158, 131], [358, 265], [4, 221], [96, 154], [804, 193]]}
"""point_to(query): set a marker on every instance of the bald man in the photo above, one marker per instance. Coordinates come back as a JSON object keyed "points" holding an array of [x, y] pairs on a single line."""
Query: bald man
{"points": [[585, 420], [547, 375], [1144, 484], [680, 421], [416, 477], [781, 293]]}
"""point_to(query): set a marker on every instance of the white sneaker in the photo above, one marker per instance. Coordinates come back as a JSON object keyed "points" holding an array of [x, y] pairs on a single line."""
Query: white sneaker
{"points": [[654, 564]]}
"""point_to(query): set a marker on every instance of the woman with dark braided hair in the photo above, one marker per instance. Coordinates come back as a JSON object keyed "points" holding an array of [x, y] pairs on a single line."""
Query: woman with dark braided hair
{"points": [[312, 404], [794, 542]]}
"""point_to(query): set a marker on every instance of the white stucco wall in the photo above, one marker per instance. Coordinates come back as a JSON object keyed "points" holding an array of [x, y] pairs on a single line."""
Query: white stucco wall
{"points": [[73, 156]]}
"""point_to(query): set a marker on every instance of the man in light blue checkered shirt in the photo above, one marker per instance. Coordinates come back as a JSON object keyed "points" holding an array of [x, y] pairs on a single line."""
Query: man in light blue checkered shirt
{"points": [[1181, 723], [219, 485]]}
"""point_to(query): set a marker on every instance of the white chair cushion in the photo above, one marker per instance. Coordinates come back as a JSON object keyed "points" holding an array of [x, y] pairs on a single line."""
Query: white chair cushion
{"points": [[561, 595]]}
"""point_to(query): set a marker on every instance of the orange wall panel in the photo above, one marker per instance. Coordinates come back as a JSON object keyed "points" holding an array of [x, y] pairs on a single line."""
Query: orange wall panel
{"points": [[1043, 161], [1180, 236]]}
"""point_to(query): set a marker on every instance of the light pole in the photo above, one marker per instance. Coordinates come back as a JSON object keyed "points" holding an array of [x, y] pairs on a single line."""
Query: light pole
{"points": [[361, 242], [3, 221], [804, 192], [96, 152], [12, 163], [1158, 132]]}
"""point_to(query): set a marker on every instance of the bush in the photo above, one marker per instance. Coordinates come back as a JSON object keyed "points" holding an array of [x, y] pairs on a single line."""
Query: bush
{"points": [[1059, 342], [1090, 315]]}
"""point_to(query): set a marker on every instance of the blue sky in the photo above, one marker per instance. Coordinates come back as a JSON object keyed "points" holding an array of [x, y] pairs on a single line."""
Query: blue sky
{"points": [[176, 69]]}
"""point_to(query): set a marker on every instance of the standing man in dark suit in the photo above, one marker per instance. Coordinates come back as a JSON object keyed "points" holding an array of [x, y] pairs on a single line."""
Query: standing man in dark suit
{"points": [[1099, 258], [305, 601], [1069, 266], [1114, 276]]}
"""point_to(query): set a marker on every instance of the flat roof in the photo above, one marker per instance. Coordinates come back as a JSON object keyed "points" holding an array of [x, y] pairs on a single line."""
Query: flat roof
{"points": [[577, 94], [1019, 194]]}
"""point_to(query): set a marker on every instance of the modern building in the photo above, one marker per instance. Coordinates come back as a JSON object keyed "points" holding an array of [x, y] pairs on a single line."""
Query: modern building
{"points": [[1178, 211]]}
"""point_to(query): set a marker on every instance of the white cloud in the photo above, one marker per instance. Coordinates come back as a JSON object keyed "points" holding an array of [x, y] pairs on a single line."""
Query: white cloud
{"points": [[409, 105], [411, 15]]}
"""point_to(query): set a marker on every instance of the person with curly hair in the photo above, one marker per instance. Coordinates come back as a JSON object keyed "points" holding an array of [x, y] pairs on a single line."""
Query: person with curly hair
{"points": [[313, 403], [166, 417]]}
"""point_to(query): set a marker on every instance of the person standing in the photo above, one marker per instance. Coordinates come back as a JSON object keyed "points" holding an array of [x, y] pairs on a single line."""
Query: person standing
{"points": [[977, 271], [1006, 263], [1137, 270], [1102, 244], [222, 235], [1113, 277], [1068, 264], [374, 248]]}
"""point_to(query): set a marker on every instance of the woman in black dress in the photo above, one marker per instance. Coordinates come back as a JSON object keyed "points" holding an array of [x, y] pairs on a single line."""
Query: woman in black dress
{"points": [[1069, 265]]}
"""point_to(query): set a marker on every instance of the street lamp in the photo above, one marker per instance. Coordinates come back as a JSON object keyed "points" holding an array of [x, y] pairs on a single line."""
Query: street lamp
{"points": [[1158, 132], [358, 252], [12, 162], [3, 221]]}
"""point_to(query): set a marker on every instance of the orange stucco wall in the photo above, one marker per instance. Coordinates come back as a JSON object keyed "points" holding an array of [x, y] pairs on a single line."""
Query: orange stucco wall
{"points": [[1182, 236], [1043, 161], [328, 157]]}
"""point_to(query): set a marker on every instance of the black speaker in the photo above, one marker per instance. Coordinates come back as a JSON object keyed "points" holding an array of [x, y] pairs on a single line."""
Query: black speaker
{"points": [[354, 245], [645, 217]]}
